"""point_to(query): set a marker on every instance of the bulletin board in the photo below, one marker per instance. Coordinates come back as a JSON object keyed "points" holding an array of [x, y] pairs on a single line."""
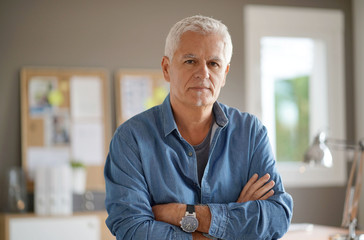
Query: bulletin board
{"points": [[138, 90], [65, 117]]}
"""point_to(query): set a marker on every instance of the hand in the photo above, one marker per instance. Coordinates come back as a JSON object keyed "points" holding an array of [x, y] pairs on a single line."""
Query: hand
{"points": [[257, 189]]}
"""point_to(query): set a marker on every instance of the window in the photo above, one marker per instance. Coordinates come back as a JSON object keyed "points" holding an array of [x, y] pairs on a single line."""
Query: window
{"points": [[286, 70], [294, 84]]}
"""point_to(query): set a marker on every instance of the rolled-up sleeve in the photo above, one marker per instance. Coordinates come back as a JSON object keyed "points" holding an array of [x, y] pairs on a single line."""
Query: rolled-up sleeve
{"points": [[127, 197], [261, 219]]}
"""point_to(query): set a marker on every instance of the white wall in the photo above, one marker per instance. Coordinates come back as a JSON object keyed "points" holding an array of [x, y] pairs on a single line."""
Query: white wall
{"points": [[358, 10]]}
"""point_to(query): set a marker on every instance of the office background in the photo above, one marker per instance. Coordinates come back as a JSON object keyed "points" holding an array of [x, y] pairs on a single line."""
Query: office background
{"points": [[130, 34]]}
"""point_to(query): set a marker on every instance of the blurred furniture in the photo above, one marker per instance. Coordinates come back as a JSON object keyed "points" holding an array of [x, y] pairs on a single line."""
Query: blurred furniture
{"points": [[312, 232], [87, 225]]}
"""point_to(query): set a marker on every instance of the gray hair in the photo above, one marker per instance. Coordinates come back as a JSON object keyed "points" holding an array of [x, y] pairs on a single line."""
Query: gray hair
{"points": [[199, 24]]}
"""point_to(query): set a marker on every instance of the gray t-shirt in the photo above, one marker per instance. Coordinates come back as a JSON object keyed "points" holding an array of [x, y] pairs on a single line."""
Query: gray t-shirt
{"points": [[202, 153]]}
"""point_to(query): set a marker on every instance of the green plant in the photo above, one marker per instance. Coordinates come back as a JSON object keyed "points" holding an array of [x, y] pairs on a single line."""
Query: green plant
{"points": [[77, 164]]}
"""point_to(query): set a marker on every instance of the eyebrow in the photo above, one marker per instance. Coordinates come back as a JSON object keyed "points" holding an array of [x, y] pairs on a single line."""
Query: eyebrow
{"points": [[216, 59], [190, 55], [213, 58]]}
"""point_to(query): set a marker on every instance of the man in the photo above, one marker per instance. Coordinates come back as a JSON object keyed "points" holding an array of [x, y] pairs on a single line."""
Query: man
{"points": [[192, 168]]}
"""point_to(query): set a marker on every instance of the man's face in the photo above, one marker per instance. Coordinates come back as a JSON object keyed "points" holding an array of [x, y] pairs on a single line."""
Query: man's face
{"points": [[197, 71]]}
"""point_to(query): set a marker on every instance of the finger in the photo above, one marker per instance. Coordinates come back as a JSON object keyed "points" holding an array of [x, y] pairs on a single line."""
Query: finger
{"points": [[251, 181], [267, 195], [250, 190], [257, 185], [263, 190]]}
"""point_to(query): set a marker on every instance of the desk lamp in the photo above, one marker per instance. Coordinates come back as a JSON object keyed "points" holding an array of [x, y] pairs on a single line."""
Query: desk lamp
{"points": [[319, 154]]}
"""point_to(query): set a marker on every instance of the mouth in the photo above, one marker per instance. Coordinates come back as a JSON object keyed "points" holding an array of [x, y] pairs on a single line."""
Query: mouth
{"points": [[200, 88]]}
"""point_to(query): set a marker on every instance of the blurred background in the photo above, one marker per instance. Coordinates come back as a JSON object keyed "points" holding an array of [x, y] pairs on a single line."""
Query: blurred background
{"points": [[130, 34]]}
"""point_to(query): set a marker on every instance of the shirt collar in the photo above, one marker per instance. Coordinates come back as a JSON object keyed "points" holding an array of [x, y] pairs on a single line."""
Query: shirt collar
{"points": [[170, 124], [168, 120], [220, 117]]}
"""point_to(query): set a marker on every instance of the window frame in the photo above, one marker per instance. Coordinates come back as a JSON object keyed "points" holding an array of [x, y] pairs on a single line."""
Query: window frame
{"points": [[327, 27]]}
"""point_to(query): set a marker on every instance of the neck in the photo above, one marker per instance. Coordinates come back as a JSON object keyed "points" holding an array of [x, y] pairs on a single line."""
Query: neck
{"points": [[193, 122]]}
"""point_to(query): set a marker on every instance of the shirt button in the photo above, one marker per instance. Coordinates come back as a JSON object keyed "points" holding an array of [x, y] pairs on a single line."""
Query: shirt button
{"points": [[190, 154]]}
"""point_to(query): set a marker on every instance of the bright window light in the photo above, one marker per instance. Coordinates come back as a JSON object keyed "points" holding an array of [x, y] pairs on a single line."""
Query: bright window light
{"points": [[286, 70]]}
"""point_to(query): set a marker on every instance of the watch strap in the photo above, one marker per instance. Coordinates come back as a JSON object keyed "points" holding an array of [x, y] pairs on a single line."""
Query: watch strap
{"points": [[190, 209]]}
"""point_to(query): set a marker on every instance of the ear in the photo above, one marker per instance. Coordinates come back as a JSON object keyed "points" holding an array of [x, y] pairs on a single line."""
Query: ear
{"points": [[226, 72], [165, 68]]}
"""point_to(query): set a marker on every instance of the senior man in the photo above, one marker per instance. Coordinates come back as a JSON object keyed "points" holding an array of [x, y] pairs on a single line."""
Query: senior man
{"points": [[193, 168]]}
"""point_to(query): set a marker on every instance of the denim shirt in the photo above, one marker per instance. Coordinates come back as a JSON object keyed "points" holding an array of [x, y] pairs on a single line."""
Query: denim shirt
{"points": [[150, 163]]}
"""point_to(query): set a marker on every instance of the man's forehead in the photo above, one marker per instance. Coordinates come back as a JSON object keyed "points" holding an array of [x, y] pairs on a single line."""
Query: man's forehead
{"points": [[198, 45]]}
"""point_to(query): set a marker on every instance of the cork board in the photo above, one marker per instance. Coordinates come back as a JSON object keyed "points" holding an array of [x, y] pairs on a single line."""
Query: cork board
{"points": [[65, 117], [137, 90]]}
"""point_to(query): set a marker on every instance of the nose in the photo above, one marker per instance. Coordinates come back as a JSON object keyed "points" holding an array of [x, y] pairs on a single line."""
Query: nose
{"points": [[202, 71]]}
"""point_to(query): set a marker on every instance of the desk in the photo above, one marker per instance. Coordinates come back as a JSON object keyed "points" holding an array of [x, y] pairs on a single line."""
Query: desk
{"points": [[312, 232]]}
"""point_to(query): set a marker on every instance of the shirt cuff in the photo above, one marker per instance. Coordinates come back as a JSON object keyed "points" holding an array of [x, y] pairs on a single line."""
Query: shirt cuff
{"points": [[219, 218], [209, 236]]}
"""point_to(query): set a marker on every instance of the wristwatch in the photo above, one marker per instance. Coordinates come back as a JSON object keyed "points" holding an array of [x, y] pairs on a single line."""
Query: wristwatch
{"points": [[189, 222]]}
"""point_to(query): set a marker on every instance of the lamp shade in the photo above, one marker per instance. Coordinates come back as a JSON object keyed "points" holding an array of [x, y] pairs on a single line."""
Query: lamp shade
{"points": [[318, 153]]}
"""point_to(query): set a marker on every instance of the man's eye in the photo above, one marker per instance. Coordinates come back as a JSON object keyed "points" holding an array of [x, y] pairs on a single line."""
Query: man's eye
{"points": [[190, 61], [214, 64]]}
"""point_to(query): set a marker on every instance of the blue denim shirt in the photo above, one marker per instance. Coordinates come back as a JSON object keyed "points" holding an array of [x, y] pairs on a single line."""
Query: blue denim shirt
{"points": [[150, 163]]}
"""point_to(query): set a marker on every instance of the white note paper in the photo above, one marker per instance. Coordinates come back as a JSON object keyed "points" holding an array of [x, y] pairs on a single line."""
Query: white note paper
{"points": [[86, 97], [87, 143], [135, 90], [40, 156]]}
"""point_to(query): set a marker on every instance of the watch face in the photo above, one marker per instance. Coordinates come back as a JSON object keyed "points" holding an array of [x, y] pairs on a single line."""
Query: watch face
{"points": [[189, 223]]}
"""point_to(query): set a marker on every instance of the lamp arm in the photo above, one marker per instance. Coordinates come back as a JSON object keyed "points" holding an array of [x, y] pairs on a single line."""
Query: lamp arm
{"points": [[341, 144], [347, 215], [358, 185]]}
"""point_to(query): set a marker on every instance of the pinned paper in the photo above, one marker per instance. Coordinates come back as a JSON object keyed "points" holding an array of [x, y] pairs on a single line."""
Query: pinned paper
{"points": [[86, 97], [87, 143], [38, 92], [135, 90], [40, 156]]}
